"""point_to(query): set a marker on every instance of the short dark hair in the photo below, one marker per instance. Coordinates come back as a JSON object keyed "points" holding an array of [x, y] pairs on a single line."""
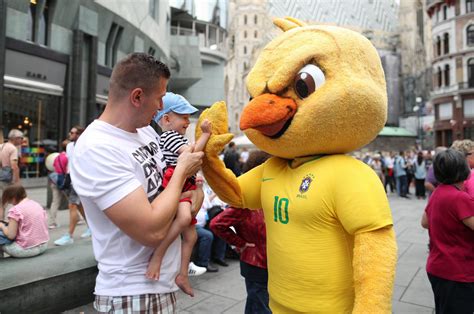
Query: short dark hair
{"points": [[256, 158], [15, 192], [450, 166], [137, 70]]}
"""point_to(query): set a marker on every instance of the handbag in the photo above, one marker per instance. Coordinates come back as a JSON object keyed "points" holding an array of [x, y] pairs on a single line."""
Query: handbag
{"points": [[6, 173], [62, 180]]}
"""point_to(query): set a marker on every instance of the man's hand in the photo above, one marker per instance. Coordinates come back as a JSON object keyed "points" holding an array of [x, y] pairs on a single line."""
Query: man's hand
{"points": [[189, 162]]}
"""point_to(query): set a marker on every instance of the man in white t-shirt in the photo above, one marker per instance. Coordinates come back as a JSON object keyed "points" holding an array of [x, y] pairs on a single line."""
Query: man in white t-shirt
{"points": [[117, 172]]}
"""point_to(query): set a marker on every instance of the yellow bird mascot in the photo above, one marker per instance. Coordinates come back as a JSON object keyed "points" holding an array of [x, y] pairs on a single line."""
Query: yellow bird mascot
{"points": [[318, 92]]}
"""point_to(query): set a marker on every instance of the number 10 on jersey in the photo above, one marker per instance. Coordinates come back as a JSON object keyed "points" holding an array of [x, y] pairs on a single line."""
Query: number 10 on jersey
{"points": [[280, 210]]}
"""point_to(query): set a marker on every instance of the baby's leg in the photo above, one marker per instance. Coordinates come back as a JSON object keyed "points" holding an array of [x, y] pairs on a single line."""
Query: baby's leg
{"points": [[182, 220], [182, 280]]}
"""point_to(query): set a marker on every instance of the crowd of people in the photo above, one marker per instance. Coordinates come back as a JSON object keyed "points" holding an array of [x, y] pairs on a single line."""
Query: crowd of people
{"points": [[154, 220], [403, 170]]}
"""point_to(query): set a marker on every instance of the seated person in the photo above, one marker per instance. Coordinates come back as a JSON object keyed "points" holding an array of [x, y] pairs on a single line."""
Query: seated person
{"points": [[208, 245], [26, 231]]}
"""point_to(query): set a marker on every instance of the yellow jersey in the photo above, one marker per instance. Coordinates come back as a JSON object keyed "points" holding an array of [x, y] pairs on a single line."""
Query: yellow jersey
{"points": [[312, 213]]}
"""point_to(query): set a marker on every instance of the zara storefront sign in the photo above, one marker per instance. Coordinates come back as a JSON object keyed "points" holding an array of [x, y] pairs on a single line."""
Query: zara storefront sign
{"points": [[38, 76], [33, 73]]}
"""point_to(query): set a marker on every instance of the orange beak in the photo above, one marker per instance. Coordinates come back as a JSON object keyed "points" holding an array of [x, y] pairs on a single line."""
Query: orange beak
{"points": [[268, 113]]}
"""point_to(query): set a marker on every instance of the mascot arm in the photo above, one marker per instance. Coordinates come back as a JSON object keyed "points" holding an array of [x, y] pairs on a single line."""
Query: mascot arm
{"points": [[375, 258], [222, 180]]}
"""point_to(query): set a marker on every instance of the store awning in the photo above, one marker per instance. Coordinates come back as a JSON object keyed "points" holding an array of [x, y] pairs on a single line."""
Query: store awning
{"points": [[396, 131], [32, 86]]}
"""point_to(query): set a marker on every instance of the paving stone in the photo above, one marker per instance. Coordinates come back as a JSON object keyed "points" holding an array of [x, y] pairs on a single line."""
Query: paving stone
{"points": [[419, 291], [215, 304], [407, 308]]}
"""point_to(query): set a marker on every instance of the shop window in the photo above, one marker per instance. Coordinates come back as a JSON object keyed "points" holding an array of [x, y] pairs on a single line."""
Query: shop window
{"points": [[468, 108], [470, 72], [112, 43], [445, 111], [446, 75], [469, 6], [37, 116], [446, 43], [470, 35]]}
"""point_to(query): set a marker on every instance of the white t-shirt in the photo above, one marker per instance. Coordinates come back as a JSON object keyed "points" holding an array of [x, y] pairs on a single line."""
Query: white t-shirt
{"points": [[110, 163]]}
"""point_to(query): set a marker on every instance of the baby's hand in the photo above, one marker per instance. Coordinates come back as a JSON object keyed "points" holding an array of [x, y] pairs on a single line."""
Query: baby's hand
{"points": [[206, 126]]}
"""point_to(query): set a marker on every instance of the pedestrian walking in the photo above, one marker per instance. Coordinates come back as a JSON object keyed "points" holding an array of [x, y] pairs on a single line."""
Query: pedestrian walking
{"points": [[420, 175]]}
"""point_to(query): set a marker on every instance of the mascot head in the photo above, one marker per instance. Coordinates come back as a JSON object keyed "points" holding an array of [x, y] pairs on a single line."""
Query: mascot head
{"points": [[315, 90]]}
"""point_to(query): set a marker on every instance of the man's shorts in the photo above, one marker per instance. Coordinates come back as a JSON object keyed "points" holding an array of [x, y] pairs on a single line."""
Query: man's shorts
{"points": [[164, 303], [72, 196]]}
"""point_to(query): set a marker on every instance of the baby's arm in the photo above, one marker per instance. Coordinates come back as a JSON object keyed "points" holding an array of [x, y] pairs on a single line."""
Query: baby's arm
{"points": [[206, 128]]}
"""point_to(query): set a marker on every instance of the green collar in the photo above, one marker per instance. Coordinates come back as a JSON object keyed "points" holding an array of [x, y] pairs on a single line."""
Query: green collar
{"points": [[298, 161]]}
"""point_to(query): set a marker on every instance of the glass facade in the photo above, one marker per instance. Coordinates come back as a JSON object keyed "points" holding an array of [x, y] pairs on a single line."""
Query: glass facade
{"points": [[37, 115]]}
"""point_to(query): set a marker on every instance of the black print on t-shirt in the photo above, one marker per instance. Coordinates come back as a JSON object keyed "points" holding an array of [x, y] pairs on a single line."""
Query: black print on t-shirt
{"points": [[144, 155]]}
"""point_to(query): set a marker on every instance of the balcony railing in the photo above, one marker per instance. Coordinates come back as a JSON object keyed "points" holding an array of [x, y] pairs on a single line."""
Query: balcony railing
{"points": [[466, 85], [210, 36], [452, 88]]}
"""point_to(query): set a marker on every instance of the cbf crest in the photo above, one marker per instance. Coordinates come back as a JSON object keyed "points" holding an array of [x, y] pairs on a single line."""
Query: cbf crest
{"points": [[306, 183]]}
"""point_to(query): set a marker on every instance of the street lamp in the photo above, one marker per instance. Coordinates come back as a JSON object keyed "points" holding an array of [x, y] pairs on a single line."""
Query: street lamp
{"points": [[419, 111]]}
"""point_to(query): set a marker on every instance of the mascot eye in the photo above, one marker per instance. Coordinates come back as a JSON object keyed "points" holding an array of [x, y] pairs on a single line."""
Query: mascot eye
{"points": [[308, 79]]}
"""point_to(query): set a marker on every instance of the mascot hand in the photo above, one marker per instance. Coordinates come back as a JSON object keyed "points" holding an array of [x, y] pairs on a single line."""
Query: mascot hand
{"points": [[217, 115], [222, 180]]}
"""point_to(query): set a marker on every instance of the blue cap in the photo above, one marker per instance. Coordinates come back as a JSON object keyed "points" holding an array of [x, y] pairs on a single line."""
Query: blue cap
{"points": [[177, 104]]}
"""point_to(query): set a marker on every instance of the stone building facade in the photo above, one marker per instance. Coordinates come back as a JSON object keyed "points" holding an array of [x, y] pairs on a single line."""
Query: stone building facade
{"points": [[452, 65], [56, 58]]}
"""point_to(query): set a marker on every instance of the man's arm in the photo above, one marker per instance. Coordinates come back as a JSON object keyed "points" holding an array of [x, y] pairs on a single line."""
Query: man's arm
{"points": [[14, 165], [148, 222]]}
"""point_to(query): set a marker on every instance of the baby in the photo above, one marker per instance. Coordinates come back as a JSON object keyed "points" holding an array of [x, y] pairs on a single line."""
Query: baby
{"points": [[174, 120]]}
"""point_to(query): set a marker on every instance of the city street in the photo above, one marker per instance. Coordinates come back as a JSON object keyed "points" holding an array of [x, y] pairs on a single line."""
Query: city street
{"points": [[224, 291]]}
